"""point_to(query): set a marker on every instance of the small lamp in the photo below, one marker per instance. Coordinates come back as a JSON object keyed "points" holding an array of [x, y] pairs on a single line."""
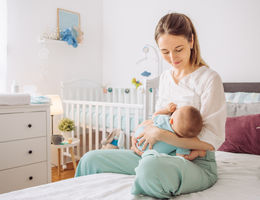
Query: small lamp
{"points": [[56, 107]]}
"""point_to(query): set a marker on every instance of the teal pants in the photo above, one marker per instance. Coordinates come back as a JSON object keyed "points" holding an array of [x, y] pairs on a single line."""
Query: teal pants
{"points": [[157, 175]]}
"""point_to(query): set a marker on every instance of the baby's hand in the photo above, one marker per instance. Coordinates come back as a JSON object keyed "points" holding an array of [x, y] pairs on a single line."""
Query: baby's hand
{"points": [[171, 107], [194, 154]]}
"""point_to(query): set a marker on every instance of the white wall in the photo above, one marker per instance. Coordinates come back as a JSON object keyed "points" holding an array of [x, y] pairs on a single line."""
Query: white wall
{"points": [[27, 20], [228, 32]]}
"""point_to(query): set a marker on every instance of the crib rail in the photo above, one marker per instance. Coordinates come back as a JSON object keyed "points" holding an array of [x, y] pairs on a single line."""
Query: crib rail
{"points": [[115, 95], [94, 120]]}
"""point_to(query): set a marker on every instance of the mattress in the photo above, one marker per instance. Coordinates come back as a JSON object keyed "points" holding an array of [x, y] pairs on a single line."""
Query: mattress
{"points": [[239, 179]]}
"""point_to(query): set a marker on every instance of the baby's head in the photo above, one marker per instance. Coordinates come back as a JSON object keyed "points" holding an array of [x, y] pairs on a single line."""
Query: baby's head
{"points": [[186, 121]]}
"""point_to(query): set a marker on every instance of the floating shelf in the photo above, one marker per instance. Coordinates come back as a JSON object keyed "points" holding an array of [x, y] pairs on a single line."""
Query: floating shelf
{"points": [[50, 41]]}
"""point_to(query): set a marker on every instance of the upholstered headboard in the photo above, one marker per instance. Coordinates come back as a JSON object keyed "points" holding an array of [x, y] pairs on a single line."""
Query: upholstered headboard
{"points": [[242, 87]]}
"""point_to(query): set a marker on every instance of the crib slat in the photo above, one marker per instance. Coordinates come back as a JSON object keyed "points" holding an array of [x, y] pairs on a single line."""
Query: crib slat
{"points": [[132, 96], [111, 118], [153, 101], [104, 122], [90, 127], [120, 96], [119, 118], [78, 127], [73, 116], [67, 109], [84, 127], [114, 99], [97, 131], [136, 117], [91, 94], [72, 111], [125, 97], [127, 128], [84, 94]]}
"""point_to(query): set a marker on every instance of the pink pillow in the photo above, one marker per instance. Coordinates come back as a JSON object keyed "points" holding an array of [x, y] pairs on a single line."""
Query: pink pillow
{"points": [[242, 135]]}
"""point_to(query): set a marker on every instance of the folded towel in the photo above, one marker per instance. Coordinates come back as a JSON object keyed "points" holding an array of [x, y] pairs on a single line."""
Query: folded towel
{"points": [[40, 100], [15, 99]]}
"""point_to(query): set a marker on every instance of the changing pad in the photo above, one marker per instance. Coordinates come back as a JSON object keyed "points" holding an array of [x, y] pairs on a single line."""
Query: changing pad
{"points": [[15, 99]]}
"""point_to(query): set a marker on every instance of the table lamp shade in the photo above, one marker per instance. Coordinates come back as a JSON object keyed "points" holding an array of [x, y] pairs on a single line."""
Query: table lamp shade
{"points": [[56, 105]]}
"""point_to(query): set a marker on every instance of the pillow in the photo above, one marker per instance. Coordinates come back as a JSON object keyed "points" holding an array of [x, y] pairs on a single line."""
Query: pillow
{"points": [[242, 97], [242, 135], [239, 109]]}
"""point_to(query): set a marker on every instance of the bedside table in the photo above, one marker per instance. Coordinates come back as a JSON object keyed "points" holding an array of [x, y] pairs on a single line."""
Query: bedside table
{"points": [[71, 146]]}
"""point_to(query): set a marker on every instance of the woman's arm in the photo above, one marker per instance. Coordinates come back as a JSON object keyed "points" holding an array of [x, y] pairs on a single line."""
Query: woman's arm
{"points": [[152, 134]]}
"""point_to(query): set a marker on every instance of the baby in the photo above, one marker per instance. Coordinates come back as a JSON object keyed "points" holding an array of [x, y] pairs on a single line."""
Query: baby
{"points": [[185, 121]]}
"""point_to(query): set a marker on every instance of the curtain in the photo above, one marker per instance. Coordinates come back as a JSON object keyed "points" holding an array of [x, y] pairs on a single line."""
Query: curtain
{"points": [[3, 44]]}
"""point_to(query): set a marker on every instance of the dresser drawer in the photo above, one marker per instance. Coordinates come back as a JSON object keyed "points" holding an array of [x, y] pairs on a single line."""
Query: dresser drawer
{"points": [[22, 125], [23, 177], [22, 152]]}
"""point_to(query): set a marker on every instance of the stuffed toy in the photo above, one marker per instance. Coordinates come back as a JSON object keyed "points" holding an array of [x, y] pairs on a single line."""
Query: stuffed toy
{"points": [[69, 35], [136, 83], [114, 140]]}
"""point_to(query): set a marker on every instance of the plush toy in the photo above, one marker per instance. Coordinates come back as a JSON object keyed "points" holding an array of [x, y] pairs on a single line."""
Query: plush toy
{"points": [[136, 83], [70, 36], [114, 140]]}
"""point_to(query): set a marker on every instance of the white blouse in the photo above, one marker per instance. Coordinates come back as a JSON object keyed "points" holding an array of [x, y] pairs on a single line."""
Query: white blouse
{"points": [[204, 90]]}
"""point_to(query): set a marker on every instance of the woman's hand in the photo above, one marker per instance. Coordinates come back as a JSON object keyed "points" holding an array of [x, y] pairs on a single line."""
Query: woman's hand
{"points": [[149, 136], [134, 148]]}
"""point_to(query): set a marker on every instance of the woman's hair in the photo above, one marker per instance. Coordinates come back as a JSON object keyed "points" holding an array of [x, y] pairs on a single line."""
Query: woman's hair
{"points": [[180, 24]]}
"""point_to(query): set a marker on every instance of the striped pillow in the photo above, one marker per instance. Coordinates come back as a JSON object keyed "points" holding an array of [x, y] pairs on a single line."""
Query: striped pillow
{"points": [[242, 97]]}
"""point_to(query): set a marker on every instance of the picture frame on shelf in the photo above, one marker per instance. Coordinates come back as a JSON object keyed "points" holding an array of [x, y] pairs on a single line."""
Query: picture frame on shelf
{"points": [[67, 19]]}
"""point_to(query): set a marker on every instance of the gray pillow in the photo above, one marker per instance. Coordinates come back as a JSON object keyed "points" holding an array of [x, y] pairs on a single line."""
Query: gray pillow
{"points": [[240, 109]]}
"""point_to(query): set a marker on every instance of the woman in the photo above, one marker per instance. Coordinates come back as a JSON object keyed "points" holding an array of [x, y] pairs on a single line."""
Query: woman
{"points": [[189, 82]]}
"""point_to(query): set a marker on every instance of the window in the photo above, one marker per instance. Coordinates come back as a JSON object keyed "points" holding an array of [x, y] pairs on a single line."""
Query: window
{"points": [[3, 44]]}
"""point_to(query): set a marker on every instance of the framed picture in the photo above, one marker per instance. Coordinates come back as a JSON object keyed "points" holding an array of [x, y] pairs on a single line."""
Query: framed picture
{"points": [[67, 19]]}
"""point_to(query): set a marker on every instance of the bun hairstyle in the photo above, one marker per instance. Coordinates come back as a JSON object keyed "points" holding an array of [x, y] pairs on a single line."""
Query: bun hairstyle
{"points": [[179, 24]]}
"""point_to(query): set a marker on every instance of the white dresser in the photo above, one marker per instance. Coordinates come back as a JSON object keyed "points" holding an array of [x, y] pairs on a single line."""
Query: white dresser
{"points": [[24, 146]]}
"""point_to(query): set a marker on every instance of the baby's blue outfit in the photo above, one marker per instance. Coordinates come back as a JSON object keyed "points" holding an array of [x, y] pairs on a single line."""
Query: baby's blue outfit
{"points": [[162, 122]]}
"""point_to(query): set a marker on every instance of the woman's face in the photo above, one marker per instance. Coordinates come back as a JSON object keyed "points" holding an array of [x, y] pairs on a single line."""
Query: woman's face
{"points": [[175, 50]]}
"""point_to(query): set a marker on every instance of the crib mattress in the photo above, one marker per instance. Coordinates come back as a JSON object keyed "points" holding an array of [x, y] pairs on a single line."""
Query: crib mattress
{"points": [[239, 179]]}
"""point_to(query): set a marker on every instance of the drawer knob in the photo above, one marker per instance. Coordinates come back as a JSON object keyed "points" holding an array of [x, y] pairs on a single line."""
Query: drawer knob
{"points": [[30, 151], [29, 125], [31, 178]]}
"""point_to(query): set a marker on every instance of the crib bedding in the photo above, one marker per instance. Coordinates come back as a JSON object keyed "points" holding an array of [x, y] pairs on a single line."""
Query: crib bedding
{"points": [[132, 119], [239, 179]]}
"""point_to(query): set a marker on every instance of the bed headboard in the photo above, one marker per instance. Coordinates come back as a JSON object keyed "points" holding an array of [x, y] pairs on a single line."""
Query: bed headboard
{"points": [[242, 87], [228, 87]]}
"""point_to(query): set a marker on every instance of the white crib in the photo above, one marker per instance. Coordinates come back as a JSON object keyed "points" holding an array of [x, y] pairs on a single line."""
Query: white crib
{"points": [[96, 112]]}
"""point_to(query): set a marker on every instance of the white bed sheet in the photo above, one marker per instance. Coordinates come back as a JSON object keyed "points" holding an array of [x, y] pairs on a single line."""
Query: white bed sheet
{"points": [[239, 179]]}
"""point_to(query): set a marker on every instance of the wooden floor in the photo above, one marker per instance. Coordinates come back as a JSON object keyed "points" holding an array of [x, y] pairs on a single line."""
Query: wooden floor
{"points": [[65, 174]]}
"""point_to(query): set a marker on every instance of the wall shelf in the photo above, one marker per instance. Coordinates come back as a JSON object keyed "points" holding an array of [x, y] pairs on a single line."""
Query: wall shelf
{"points": [[59, 42]]}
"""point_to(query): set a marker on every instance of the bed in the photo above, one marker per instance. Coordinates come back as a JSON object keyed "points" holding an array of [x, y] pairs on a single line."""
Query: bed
{"points": [[238, 171], [239, 179]]}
